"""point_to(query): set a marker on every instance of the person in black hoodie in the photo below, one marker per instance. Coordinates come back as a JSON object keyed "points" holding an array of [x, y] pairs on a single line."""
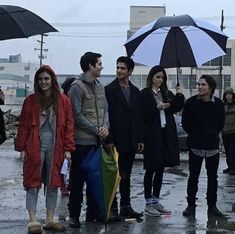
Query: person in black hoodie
{"points": [[203, 118]]}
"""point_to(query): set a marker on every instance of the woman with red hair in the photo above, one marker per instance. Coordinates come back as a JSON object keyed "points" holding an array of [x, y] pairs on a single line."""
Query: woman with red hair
{"points": [[45, 138]]}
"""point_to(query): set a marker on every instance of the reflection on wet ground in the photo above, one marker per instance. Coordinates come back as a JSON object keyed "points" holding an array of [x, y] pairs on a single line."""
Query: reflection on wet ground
{"points": [[13, 216]]}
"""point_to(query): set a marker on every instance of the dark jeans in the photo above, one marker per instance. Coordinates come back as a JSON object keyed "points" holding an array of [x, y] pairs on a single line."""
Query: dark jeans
{"points": [[195, 164], [229, 146], [125, 164], [153, 182], [76, 185]]}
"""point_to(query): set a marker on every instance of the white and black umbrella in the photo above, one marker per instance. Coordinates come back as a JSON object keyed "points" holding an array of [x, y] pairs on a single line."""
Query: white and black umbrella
{"points": [[18, 22], [176, 41]]}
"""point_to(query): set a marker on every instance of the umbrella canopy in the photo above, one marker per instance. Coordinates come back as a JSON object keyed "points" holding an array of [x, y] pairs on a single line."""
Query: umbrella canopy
{"points": [[176, 41], [17, 22], [102, 177]]}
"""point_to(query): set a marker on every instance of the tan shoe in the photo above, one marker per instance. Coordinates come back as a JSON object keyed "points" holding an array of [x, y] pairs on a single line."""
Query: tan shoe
{"points": [[34, 228], [55, 226]]}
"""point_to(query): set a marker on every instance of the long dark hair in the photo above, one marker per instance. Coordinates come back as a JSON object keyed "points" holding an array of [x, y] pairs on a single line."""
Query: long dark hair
{"points": [[53, 99], [152, 72]]}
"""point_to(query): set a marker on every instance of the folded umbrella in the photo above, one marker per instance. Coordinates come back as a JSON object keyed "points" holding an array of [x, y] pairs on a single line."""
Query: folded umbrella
{"points": [[102, 177]]}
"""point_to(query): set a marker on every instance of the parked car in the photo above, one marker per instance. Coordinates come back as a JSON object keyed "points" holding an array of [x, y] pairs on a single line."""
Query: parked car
{"points": [[182, 135]]}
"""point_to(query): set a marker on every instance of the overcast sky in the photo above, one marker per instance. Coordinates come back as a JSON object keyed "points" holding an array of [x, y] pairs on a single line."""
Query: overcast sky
{"points": [[106, 33]]}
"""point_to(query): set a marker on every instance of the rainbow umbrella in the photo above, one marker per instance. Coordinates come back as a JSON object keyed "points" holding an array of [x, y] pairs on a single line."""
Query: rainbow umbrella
{"points": [[102, 177]]}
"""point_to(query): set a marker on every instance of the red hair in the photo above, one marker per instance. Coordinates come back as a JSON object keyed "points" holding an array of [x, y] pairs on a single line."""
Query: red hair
{"points": [[44, 101]]}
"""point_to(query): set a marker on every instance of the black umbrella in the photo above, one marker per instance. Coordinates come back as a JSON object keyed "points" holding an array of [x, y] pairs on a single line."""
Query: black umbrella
{"points": [[17, 22], [176, 41]]}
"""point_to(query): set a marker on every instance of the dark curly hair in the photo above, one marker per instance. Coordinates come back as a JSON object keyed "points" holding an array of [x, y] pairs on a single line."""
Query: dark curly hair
{"points": [[211, 82], [89, 58], [128, 61]]}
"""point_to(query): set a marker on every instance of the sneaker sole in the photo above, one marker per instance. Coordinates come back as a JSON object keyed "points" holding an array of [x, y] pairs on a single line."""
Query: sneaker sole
{"points": [[152, 215], [165, 213]]}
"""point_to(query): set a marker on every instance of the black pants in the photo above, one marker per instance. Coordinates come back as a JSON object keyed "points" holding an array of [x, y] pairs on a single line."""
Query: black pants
{"points": [[153, 182], [195, 164], [125, 164], [76, 184], [229, 146]]}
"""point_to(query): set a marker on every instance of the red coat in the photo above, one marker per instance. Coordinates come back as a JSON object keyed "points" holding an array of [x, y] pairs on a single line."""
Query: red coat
{"points": [[28, 139]]}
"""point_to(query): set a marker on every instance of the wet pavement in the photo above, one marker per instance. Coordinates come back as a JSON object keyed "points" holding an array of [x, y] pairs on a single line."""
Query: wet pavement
{"points": [[14, 218]]}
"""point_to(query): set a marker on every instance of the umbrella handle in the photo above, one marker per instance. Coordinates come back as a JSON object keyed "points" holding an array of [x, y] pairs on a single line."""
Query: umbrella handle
{"points": [[177, 77]]}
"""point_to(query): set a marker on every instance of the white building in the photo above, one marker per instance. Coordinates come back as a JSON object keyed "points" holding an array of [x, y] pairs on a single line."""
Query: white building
{"points": [[13, 69], [16, 78]]}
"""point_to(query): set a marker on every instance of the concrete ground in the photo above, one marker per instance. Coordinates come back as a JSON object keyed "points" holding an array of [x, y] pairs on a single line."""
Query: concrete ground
{"points": [[14, 218]]}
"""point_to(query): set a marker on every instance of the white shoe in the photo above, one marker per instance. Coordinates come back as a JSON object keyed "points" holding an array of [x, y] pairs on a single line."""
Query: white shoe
{"points": [[160, 208], [151, 211]]}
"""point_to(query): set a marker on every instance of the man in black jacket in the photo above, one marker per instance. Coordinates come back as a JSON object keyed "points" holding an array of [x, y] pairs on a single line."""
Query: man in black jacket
{"points": [[203, 118], [125, 128]]}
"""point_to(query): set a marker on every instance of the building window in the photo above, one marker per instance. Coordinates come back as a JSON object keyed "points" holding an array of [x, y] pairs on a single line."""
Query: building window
{"points": [[186, 81], [217, 80], [27, 68], [192, 81], [227, 81], [2, 68], [206, 64], [139, 80], [227, 57], [215, 62]]}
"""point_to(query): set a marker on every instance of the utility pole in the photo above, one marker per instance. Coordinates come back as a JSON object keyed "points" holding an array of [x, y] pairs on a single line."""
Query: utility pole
{"points": [[41, 56], [221, 59]]}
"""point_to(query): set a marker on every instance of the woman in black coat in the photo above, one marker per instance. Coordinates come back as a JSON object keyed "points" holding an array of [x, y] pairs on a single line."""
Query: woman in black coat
{"points": [[161, 142]]}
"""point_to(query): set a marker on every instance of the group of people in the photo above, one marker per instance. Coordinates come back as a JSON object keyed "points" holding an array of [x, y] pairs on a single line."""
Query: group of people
{"points": [[54, 127]]}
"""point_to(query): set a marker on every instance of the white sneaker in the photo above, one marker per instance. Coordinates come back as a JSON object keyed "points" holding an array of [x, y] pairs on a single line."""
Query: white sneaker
{"points": [[151, 211], [160, 208]]}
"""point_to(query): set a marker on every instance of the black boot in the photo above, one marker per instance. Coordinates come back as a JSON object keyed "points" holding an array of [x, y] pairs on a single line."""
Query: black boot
{"points": [[227, 170], [214, 211], [114, 215], [189, 211], [74, 223], [128, 212]]}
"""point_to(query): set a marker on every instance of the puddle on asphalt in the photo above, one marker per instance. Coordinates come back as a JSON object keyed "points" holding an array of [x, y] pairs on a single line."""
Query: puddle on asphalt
{"points": [[176, 171]]}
